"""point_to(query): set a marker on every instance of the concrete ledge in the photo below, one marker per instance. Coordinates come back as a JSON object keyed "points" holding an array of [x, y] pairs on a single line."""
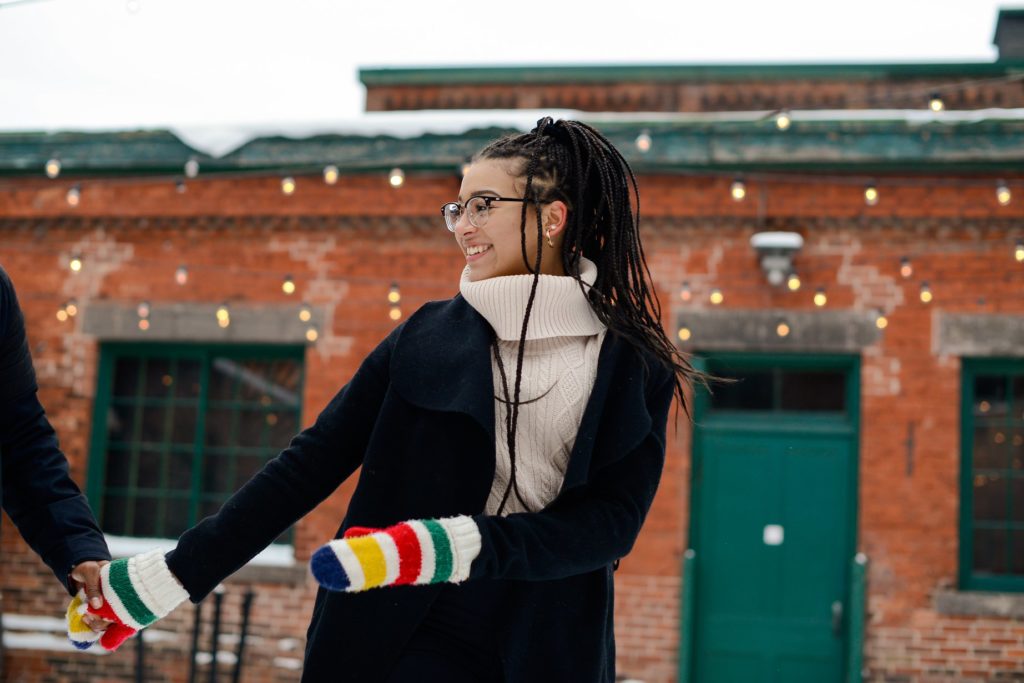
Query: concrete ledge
{"points": [[197, 322], [755, 330], [980, 604], [981, 335]]}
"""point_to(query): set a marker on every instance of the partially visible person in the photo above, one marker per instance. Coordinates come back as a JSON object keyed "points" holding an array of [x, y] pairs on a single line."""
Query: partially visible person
{"points": [[36, 490]]}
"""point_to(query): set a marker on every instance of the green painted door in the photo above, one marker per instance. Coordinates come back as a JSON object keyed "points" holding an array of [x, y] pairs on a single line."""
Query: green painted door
{"points": [[773, 520]]}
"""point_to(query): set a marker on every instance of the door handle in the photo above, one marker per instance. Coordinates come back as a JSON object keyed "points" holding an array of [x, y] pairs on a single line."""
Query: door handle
{"points": [[837, 617]]}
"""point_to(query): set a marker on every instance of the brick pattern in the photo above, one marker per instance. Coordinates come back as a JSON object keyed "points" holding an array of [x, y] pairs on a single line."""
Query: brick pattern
{"points": [[344, 249]]}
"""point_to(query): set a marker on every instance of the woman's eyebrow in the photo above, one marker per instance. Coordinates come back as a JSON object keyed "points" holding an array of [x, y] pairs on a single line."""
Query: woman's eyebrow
{"points": [[477, 193]]}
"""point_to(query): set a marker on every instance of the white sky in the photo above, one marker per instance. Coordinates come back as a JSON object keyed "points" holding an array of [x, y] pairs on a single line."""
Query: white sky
{"points": [[86, 64]]}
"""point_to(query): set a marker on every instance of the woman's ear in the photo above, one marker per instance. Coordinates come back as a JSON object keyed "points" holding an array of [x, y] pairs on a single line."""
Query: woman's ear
{"points": [[555, 216]]}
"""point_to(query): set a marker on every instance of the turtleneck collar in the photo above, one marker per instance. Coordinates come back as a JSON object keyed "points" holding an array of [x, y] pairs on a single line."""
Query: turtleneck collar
{"points": [[560, 309]]}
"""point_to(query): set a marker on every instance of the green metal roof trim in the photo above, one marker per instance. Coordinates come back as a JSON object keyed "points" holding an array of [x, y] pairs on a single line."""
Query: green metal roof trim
{"points": [[526, 74], [844, 146]]}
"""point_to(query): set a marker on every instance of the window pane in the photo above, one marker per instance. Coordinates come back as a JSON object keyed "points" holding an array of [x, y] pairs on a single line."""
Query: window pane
{"points": [[126, 377], [158, 378], [121, 423], [183, 425], [283, 426], [247, 466], [153, 427], [990, 395], [223, 377], [813, 391], [177, 520], [148, 466], [1016, 485], [753, 391], [115, 512], [118, 463], [990, 448], [186, 383], [179, 471], [1016, 443], [144, 522], [219, 427], [1018, 397], [217, 474], [253, 428], [1017, 553], [990, 551], [990, 498]]}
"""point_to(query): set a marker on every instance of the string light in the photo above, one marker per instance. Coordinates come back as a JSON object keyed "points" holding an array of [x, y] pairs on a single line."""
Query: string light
{"points": [[643, 142], [782, 328], [181, 275], [191, 167], [143, 309], [783, 120], [143, 324], [1018, 251], [820, 299], [685, 293], [75, 264], [330, 174], [62, 315], [738, 189], [395, 313], [906, 270], [223, 315], [71, 307], [305, 313], [288, 185], [935, 102], [394, 295], [871, 194], [312, 334], [396, 177], [716, 296], [179, 186], [1003, 195], [684, 332], [74, 195], [881, 322], [288, 286], [926, 292], [53, 168], [793, 282]]}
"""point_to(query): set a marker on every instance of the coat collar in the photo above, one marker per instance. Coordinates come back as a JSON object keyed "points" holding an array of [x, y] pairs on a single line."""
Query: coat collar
{"points": [[441, 361]]}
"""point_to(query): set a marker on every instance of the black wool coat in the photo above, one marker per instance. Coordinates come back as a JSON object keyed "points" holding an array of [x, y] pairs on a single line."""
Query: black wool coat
{"points": [[35, 488], [418, 416]]}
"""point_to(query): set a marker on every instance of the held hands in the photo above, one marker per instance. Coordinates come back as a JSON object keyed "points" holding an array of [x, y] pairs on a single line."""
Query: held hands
{"points": [[135, 592], [416, 552]]}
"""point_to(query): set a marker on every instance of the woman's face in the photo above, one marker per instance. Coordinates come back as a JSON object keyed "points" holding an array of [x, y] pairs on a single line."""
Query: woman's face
{"points": [[496, 248]]}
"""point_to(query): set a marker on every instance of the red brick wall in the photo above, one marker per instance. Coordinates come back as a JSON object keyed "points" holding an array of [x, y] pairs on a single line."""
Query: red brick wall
{"points": [[345, 244]]}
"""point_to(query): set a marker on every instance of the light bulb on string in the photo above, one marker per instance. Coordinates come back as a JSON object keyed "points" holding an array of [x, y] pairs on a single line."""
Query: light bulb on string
{"points": [[783, 120], [75, 263], [191, 167], [143, 309], [330, 174], [906, 270], [394, 295], [685, 293], [1018, 251], [820, 298], [935, 102], [305, 313], [74, 195], [143, 324], [181, 275], [716, 296], [684, 332], [395, 313], [312, 334], [782, 328], [53, 168], [926, 292], [288, 185], [223, 315], [881, 322], [179, 186], [738, 190], [871, 195], [62, 315], [396, 177], [71, 307], [288, 285], [793, 282], [643, 142], [1003, 195]]}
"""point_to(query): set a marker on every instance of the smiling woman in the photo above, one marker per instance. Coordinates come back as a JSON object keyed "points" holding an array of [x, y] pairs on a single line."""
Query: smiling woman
{"points": [[511, 441]]}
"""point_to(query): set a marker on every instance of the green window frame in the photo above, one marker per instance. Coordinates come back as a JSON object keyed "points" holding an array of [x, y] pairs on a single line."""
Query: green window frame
{"points": [[178, 428], [992, 475]]}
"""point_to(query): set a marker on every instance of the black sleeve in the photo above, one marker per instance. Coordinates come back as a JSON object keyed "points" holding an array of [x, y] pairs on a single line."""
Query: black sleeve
{"points": [[37, 491], [315, 463], [590, 527]]}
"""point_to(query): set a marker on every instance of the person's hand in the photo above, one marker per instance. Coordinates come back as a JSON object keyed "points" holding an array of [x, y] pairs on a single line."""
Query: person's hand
{"points": [[419, 551], [135, 593], [87, 578]]}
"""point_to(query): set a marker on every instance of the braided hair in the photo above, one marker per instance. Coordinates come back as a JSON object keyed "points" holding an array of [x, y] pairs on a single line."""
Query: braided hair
{"points": [[572, 162]]}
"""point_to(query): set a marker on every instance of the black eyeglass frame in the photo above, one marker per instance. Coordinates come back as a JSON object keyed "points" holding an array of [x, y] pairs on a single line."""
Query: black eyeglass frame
{"points": [[488, 199]]}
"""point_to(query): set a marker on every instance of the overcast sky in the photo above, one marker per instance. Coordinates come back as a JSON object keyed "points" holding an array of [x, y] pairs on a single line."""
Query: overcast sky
{"points": [[67, 64]]}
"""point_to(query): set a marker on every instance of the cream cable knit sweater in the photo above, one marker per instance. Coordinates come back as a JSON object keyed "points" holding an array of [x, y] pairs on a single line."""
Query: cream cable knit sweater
{"points": [[563, 341]]}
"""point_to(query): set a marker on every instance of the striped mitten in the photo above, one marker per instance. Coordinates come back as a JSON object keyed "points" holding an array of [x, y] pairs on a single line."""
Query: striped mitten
{"points": [[136, 592], [416, 552]]}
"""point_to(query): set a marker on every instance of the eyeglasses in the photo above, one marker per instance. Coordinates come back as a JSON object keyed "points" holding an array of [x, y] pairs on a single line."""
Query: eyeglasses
{"points": [[477, 208]]}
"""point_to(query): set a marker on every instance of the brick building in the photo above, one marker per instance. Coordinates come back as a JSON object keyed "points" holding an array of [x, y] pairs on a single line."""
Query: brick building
{"points": [[854, 505]]}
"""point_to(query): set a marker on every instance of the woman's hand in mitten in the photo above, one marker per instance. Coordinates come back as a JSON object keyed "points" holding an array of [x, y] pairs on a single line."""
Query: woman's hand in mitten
{"points": [[136, 592], [416, 552]]}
